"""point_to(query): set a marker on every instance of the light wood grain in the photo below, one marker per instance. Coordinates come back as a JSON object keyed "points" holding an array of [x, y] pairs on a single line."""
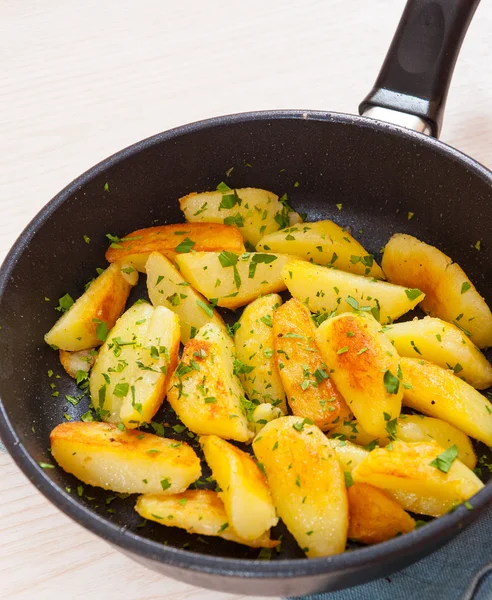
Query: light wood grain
{"points": [[81, 80]]}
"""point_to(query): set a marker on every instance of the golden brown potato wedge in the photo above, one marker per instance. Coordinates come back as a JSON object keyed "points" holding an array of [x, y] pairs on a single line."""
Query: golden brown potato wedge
{"points": [[129, 380], [443, 344], [437, 392], [167, 287], [417, 469], [306, 379], [232, 279], [450, 295], [87, 322], [412, 428], [365, 369], [255, 211], [329, 291], [245, 494], [130, 462], [307, 484], [78, 362], [196, 511], [171, 240], [324, 243], [374, 515], [205, 392], [254, 348]]}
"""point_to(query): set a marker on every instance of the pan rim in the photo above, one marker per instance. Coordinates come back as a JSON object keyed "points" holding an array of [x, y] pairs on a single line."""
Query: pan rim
{"points": [[129, 541]]}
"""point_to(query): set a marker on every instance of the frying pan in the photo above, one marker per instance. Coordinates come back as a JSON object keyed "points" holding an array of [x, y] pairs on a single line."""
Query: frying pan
{"points": [[378, 172]]}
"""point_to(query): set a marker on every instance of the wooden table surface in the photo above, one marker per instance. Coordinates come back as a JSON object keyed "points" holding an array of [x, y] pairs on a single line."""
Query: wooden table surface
{"points": [[80, 80]]}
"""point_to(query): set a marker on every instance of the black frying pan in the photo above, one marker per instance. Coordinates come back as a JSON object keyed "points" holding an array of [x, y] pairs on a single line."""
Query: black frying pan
{"points": [[377, 171]]}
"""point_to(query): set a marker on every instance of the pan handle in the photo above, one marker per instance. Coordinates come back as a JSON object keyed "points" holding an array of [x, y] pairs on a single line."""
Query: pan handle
{"points": [[413, 83]]}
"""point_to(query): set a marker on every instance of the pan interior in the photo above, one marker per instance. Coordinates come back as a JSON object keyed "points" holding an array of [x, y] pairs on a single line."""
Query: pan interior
{"points": [[364, 178]]}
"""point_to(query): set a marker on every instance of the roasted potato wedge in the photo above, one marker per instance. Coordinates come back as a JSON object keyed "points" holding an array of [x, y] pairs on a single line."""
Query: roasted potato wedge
{"points": [[263, 414], [129, 462], [324, 243], [305, 377], [443, 344], [410, 468], [205, 392], [102, 303], [129, 380], [365, 368], [256, 212], [257, 367], [232, 279], [413, 428], [196, 511], [375, 516], [450, 295], [171, 240], [307, 484], [329, 291], [245, 494], [77, 362], [349, 455], [437, 392], [167, 287]]}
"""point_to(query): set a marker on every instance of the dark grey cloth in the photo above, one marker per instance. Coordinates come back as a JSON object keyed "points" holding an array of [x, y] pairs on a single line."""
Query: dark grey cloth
{"points": [[445, 575]]}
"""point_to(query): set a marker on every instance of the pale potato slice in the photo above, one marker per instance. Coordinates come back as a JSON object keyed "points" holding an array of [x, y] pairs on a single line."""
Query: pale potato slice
{"points": [[167, 287], [204, 391], [418, 428], [253, 339], [443, 344], [412, 428], [129, 462], [255, 211], [77, 362], [129, 380], [307, 484], [349, 455], [329, 291], [324, 243], [245, 494], [197, 511], [86, 323], [171, 240], [437, 392], [263, 414], [306, 378], [365, 368], [353, 431], [374, 515], [450, 295], [231, 279], [406, 467]]}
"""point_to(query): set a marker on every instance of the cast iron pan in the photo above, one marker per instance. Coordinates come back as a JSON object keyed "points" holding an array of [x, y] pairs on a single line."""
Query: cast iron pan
{"points": [[376, 171]]}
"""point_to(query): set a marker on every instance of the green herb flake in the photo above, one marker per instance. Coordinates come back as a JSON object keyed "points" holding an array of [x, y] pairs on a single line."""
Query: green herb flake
{"points": [[165, 483], [444, 461], [413, 293], [64, 303], [185, 246], [349, 481], [45, 465], [391, 383], [121, 390], [465, 286]]}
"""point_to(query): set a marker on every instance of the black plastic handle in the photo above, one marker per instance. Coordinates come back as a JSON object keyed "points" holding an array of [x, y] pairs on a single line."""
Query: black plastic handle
{"points": [[417, 70]]}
